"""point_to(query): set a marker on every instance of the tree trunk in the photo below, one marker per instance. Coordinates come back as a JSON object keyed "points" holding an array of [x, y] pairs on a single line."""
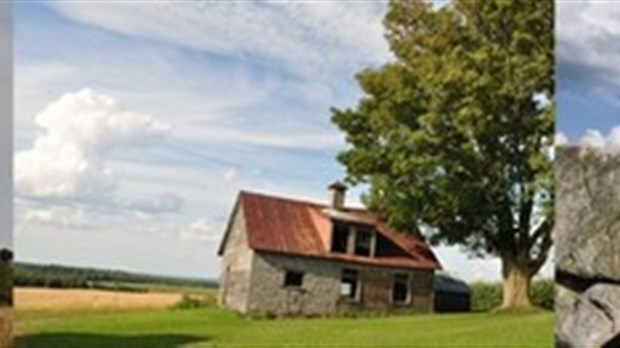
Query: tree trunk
{"points": [[517, 281]]}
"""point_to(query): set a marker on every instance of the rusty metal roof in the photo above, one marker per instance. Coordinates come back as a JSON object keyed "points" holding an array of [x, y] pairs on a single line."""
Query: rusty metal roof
{"points": [[290, 226]]}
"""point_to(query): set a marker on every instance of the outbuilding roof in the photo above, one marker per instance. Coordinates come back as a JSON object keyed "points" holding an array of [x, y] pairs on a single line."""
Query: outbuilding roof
{"points": [[290, 226], [446, 284]]}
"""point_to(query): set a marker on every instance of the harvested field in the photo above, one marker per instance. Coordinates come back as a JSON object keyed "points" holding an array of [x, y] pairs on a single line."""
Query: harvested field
{"points": [[68, 299], [6, 324]]}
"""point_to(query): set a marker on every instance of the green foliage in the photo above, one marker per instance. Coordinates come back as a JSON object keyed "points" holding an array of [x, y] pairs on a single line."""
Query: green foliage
{"points": [[543, 293], [454, 136], [194, 301], [487, 296]]}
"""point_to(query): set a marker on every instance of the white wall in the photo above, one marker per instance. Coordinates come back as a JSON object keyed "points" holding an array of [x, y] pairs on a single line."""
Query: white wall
{"points": [[6, 124]]}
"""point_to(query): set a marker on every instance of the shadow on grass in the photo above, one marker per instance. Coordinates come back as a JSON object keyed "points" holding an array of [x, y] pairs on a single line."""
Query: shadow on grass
{"points": [[71, 340]]}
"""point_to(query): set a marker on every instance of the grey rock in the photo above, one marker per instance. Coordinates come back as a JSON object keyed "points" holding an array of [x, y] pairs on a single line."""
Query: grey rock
{"points": [[588, 320], [587, 241], [587, 228]]}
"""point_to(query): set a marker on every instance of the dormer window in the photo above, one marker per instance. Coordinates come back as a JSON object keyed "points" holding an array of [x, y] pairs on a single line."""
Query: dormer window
{"points": [[363, 241], [353, 239], [340, 238]]}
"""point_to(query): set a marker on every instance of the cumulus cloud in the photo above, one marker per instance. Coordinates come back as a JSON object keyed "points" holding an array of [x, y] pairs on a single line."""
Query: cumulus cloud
{"points": [[596, 140], [69, 160]]}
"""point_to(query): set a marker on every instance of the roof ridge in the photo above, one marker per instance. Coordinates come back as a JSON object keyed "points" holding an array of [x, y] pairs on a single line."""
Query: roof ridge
{"points": [[302, 201]]}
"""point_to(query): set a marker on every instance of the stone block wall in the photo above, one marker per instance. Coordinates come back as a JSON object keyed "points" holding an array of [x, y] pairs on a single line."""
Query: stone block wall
{"points": [[320, 288], [587, 239], [320, 291], [236, 266]]}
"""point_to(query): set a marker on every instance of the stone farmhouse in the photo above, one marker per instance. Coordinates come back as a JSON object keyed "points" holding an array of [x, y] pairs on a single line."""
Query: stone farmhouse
{"points": [[286, 256]]}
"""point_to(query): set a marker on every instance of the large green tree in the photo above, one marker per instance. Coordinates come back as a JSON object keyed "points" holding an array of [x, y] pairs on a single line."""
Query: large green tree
{"points": [[453, 137]]}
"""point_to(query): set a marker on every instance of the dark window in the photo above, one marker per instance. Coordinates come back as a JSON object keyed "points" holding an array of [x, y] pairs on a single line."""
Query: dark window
{"points": [[400, 288], [340, 237], [349, 285], [363, 239], [292, 278], [386, 247]]}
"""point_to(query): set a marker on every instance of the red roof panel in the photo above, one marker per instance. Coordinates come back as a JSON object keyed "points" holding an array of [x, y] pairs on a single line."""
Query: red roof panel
{"points": [[289, 226]]}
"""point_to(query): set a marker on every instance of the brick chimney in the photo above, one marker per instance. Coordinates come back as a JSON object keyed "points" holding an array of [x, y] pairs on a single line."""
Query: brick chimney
{"points": [[337, 191]]}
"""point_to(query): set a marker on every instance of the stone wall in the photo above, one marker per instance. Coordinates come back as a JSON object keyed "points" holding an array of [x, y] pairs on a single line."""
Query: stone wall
{"points": [[236, 266], [587, 239], [320, 291]]}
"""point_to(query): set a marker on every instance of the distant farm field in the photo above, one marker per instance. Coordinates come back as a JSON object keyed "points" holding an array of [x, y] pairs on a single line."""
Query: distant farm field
{"points": [[72, 299], [214, 327]]}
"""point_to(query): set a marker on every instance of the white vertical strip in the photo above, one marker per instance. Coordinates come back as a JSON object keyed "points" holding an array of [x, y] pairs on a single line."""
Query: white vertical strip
{"points": [[6, 124]]}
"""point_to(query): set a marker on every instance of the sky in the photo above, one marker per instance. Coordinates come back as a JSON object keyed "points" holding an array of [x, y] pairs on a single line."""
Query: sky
{"points": [[588, 73], [137, 123]]}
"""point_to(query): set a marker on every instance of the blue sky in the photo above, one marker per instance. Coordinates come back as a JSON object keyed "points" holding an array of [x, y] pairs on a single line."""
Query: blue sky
{"points": [[588, 75], [136, 124]]}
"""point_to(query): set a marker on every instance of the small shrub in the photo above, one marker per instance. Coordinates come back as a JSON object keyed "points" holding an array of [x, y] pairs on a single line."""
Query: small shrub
{"points": [[488, 296], [194, 302], [485, 296], [542, 293], [260, 315]]}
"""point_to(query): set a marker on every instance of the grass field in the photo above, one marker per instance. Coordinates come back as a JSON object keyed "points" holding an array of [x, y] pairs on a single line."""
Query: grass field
{"points": [[213, 327]]}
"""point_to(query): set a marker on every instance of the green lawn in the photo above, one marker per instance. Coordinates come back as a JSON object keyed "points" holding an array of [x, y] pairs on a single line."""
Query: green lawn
{"points": [[220, 328]]}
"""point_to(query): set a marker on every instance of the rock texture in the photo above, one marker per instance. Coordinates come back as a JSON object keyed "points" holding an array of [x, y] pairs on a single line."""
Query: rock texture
{"points": [[588, 213], [587, 239]]}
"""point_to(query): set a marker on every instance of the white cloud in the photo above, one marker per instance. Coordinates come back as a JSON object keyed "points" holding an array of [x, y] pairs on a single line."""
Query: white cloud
{"points": [[37, 84], [291, 136], [560, 139], [62, 217], [164, 202], [587, 34], [305, 37], [230, 174], [204, 112], [200, 230], [68, 162], [594, 139]]}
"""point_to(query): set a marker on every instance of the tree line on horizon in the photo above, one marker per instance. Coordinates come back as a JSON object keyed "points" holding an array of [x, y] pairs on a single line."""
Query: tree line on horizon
{"points": [[57, 276]]}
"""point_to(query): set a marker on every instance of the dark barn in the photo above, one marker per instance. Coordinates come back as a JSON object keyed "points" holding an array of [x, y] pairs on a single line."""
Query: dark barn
{"points": [[451, 295]]}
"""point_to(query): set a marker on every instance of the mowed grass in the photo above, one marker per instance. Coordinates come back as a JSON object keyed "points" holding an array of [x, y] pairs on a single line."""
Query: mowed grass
{"points": [[214, 327]]}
